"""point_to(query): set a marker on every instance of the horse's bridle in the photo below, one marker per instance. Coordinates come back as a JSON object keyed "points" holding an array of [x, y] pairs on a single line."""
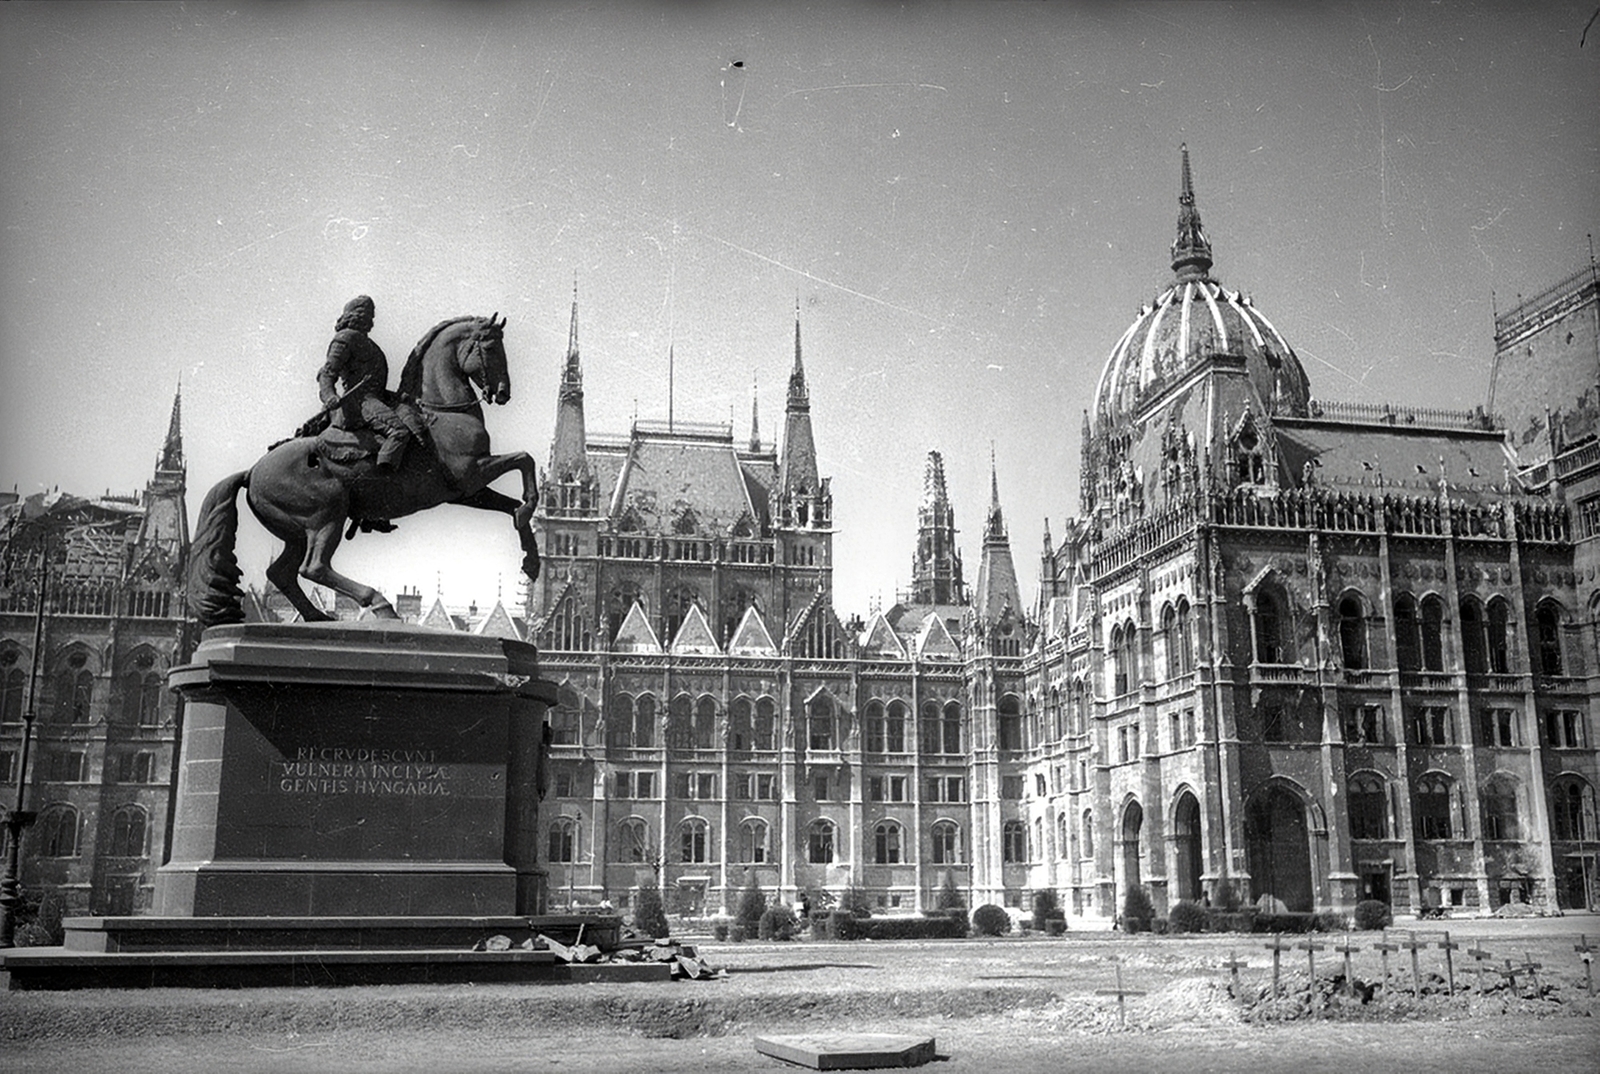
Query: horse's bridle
{"points": [[479, 396]]}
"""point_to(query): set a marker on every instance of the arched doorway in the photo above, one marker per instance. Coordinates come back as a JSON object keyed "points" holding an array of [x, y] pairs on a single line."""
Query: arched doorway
{"points": [[1186, 837], [1132, 825], [1280, 857]]}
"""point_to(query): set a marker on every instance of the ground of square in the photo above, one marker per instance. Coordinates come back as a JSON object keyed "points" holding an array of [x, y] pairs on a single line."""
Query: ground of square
{"points": [[848, 1051]]}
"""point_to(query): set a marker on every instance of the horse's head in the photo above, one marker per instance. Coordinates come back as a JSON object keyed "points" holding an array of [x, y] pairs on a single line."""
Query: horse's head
{"points": [[485, 360]]}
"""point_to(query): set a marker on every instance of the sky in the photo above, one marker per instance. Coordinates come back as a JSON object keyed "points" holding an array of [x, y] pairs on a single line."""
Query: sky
{"points": [[966, 203]]}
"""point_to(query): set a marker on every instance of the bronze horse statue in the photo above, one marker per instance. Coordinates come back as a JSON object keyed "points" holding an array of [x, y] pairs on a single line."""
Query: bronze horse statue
{"points": [[303, 490]]}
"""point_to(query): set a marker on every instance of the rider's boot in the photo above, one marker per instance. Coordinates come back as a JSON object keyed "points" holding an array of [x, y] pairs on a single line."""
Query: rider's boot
{"points": [[392, 451]]}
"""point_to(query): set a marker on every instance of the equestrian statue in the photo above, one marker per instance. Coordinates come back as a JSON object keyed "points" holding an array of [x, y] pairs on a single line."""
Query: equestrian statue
{"points": [[369, 456]]}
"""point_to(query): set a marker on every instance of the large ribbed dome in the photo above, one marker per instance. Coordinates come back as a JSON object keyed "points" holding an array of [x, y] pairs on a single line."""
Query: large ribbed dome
{"points": [[1190, 321]]}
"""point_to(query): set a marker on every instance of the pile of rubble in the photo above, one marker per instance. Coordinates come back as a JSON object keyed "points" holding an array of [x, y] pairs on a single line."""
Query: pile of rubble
{"points": [[684, 959]]}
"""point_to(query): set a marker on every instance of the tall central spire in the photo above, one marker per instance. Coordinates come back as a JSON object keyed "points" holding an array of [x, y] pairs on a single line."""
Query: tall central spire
{"points": [[798, 468], [572, 374], [936, 566], [568, 480], [1191, 250]]}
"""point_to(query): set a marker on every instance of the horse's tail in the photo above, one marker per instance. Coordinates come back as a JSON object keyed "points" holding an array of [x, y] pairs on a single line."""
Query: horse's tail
{"points": [[214, 594]]}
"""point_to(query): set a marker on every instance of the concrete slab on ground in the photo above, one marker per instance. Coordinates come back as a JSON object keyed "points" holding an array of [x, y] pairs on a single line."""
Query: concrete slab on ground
{"points": [[848, 1051]]}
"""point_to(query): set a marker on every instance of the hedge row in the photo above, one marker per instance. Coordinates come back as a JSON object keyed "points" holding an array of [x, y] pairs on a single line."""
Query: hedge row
{"points": [[836, 925]]}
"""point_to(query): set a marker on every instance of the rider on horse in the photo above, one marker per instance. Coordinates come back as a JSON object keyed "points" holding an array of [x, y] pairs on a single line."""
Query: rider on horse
{"points": [[358, 363]]}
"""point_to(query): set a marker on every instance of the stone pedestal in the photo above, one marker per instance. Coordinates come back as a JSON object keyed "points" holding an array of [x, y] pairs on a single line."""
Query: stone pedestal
{"points": [[357, 769]]}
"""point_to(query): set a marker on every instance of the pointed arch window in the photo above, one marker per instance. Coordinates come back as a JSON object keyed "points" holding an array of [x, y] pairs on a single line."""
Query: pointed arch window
{"points": [[766, 723], [1061, 835], [1353, 632], [619, 722], [873, 719], [886, 843], [59, 829], [1496, 643], [946, 843], [1499, 803], [820, 731], [704, 735], [1369, 807], [1271, 618], [694, 841], [1086, 844], [1547, 638], [632, 846], [566, 718], [1432, 633], [13, 685], [1008, 718], [1474, 653], [820, 842], [1407, 641], [680, 723], [894, 727], [1014, 842], [563, 846], [753, 842], [1572, 810], [1434, 806], [127, 832], [566, 631], [75, 690]]}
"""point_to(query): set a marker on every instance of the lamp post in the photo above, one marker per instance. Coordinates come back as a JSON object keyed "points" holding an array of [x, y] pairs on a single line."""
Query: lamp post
{"points": [[18, 818]]}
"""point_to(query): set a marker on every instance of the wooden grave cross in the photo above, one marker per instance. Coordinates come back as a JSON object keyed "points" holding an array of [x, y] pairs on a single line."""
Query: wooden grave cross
{"points": [[1414, 945], [1447, 946], [1478, 955], [1121, 994], [1234, 965], [1277, 947], [1510, 973], [1310, 947], [1586, 953], [1347, 949], [1532, 968], [1384, 946]]}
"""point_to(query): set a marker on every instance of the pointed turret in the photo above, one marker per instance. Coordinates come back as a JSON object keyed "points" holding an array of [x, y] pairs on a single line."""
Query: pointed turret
{"points": [[1191, 250], [165, 529], [997, 592], [799, 466], [171, 459], [936, 566], [755, 417], [569, 483]]}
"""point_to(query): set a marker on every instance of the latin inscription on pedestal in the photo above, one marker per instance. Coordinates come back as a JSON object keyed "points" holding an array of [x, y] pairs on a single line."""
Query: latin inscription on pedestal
{"points": [[332, 797]]}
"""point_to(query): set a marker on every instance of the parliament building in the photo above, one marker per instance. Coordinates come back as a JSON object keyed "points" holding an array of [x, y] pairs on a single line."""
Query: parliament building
{"points": [[1312, 650]]}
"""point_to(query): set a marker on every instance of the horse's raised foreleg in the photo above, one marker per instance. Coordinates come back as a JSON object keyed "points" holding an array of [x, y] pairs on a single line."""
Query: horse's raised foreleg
{"points": [[285, 574], [490, 500], [318, 567], [496, 466]]}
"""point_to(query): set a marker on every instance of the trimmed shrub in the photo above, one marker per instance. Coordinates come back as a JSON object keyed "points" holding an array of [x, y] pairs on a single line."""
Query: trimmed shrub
{"points": [[738, 933], [649, 916], [1330, 921], [1235, 921], [1227, 897], [908, 928], [991, 920], [720, 927], [959, 916], [1137, 910], [1372, 914], [1055, 926], [752, 904], [777, 923], [1044, 908], [1293, 921], [1186, 916]]}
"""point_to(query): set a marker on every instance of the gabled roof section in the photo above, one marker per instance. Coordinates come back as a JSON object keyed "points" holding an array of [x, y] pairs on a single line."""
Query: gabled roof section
{"points": [[752, 638], [880, 640], [934, 640], [498, 624], [694, 636], [635, 635], [815, 633], [438, 618], [691, 473]]}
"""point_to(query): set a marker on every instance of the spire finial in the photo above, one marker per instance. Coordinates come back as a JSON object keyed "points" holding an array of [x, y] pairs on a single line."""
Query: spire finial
{"points": [[755, 415], [799, 394], [1191, 250], [572, 374]]}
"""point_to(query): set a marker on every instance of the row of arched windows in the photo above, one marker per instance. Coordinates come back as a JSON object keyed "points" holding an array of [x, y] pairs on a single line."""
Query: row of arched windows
{"points": [[58, 832], [753, 724], [752, 844], [1438, 811], [1419, 627]]}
